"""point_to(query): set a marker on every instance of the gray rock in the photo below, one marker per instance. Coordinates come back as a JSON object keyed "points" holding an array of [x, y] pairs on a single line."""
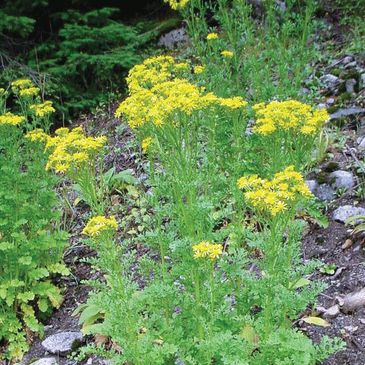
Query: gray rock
{"points": [[45, 361], [347, 60], [173, 38], [312, 185], [63, 342], [332, 312], [350, 85], [362, 81], [343, 179], [330, 81], [330, 101], [344, 212], [351, 64], [347, 112], [324, 192], [361, 143]]}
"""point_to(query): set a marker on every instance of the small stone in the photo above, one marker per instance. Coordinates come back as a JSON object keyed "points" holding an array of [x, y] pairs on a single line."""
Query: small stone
{"points": [[347, 112], [312, 185], [362, 320], [330, 81], [343, 179], [351, 64], [362, 81], [324, 192], [332, 312], [347, 244], [330, 101], [350, 85], [347, 60], [63, 342], [361, 143], [344, 212], [45, 361], [173, 38]]}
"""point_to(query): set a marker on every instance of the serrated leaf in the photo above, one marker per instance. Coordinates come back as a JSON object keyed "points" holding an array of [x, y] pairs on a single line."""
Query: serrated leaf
{"points": [[316, 321]]}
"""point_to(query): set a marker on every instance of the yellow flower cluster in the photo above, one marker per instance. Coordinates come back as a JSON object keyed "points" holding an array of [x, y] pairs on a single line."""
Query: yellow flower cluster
{"points": [[227, 54], [177, 4], [11, 119], [290, 115], [70, 150], [199, 69], [99, 224], [146, 143], [212, 36], [160, 103], [29, 92], [21, 84], [42, 109], [206, 249], [153, 71], [37, 135], [274, 195]]}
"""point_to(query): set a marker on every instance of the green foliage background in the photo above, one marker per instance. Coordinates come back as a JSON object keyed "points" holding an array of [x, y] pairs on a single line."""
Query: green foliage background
{"points": [[77, 52]]}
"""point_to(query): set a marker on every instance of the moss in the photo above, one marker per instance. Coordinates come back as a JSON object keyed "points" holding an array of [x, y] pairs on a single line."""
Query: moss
{"points": [[331, 166]]}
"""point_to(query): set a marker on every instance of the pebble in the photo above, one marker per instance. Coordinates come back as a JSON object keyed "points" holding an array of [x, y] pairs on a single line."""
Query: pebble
{"points": [[45, 361], [347, 60], [350, 85], [324, 192], [312, 185], [332, 312], [330, 81], [347, 112], [343, 179], [347, 244], [173, 38], [62, 343], [344, 212]]}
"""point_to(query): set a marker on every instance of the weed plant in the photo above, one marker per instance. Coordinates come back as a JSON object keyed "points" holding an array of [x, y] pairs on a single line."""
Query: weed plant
{"points": [[31, 243]]}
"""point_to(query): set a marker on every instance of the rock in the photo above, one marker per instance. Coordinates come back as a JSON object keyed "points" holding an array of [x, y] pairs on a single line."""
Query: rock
{"points": [[343, 179], [330, 81], [347, 244], [361, 143], [45, 361], [347, 60], [330, 101], [344, 212], [347, 112], [362, 81], [173, 38], [353, 301], [312, 185], [351, 64], [324, 192], [350, 85], [63, 342], [332, 312]]}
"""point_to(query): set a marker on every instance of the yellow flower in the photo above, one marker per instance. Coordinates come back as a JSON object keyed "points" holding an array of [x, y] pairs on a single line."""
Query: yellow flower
{"points": [[212, 36], [206, 249], [100, 224], [276, 195], [21, 84], [31, 91], [146, 144], [37, 135], [42, 109], [227, 54], [177, 4], [198, 69], [11, 119], [289, 115], [72, 150], [233, 103]]}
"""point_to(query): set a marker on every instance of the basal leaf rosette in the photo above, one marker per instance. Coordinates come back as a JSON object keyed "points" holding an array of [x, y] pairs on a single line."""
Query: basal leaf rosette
{"points": [[282, 194]]}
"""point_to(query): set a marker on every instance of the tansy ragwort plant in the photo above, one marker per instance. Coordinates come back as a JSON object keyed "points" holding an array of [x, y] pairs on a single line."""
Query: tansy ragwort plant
{"points": [[31, 244], [72, 153], [192, 132]]}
